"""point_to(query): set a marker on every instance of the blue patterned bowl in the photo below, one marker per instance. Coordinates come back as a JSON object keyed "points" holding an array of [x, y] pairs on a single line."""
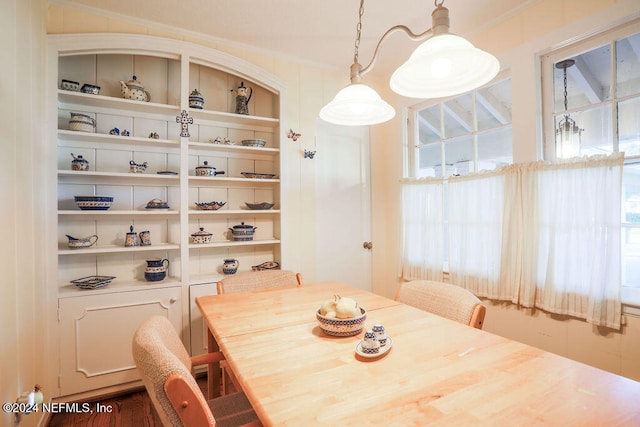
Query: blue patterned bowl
{"points": [[342, 327]]}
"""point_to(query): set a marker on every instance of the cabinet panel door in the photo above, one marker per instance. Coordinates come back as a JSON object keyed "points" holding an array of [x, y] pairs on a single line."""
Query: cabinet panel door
{"points": [[96, 333]]}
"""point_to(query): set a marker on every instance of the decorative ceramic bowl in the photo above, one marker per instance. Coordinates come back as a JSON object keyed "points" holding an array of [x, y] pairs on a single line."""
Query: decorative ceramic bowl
{"points": [[242, 232], [259, 206], [254, 142], [91, 89], [82, 122], [69, 85], [210, 206], [268, 265], [342, 327], [201, 236], [94, 203]]}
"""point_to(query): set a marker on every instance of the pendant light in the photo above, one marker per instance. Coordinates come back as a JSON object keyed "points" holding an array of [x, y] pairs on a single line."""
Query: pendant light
{"points": [[568, 132], [444, 65], [357, 104]]}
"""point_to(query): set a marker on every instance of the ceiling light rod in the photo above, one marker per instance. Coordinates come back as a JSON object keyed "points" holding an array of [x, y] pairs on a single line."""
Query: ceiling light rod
{"points": [[440, 25]]}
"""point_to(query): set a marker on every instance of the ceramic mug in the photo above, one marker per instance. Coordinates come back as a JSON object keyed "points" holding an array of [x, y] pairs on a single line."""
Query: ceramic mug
{"points": [[145, 238]]}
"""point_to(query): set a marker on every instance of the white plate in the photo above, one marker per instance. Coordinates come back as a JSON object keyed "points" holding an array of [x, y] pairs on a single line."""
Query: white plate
{"points": [[383, 350]]}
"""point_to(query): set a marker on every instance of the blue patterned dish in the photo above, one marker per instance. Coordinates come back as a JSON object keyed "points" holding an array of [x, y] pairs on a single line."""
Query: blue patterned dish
{"points": [[342, 327]]}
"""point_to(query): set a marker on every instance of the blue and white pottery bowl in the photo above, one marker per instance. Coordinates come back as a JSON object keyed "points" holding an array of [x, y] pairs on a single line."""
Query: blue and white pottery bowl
{"points": [[342, 327], [94, 203], [91, 89], [82, 122]]}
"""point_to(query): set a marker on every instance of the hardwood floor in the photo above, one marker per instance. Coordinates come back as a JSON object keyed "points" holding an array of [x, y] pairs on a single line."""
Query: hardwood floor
{"points": [[128, 410]]}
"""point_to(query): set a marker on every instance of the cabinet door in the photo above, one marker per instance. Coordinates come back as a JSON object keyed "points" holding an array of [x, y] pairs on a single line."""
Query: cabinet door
{"points": [[96, 333]]}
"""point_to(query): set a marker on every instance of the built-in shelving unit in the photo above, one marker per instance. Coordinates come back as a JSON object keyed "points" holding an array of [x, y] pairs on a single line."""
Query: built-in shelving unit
{"points": [[169, 70]]}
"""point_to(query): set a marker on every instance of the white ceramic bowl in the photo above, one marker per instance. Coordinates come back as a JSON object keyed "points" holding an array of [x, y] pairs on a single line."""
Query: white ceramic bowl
{"points": [[342, 327]]}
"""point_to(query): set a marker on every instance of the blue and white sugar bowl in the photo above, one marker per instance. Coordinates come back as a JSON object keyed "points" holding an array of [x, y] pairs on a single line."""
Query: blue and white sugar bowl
{"points": [[380, 333], [370, 345], [196, 100]]}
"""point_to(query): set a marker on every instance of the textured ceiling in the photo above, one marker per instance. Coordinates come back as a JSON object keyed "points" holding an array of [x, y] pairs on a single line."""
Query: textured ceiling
{"points": [[318, 31]]}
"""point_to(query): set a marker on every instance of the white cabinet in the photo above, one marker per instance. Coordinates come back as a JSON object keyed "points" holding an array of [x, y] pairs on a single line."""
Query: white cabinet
{"points": [[169, 70], [96, 335]]}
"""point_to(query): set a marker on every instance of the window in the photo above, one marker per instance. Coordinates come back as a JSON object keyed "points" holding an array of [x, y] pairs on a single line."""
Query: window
{"points": [[603, 97], [468, 133]]}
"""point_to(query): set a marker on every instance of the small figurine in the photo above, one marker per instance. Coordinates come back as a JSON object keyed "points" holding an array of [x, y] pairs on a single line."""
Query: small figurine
{"points": [[114, 131], [292, 135], [125, 133], [154, 135]]}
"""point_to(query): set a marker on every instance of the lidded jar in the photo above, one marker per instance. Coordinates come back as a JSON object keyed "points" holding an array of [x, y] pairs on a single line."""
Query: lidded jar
{"points": [[79, 163]]}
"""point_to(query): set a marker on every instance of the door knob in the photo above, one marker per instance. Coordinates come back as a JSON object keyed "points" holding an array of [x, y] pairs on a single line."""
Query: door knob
{"points": [[367, 245]]}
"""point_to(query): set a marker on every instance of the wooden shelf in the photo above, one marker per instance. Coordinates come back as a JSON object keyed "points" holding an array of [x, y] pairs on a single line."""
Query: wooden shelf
{"points": [[232, 243], [225, 212], [117, 249], [110, 212], [69, 100], [65, 135]]}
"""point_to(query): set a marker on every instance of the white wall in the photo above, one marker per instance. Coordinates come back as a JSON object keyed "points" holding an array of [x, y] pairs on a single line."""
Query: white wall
{"points": [[21, 117]]}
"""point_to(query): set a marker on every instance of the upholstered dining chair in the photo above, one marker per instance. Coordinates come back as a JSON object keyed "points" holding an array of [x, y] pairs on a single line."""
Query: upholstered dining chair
{"points": [[258, 280], [166, 371], [444, 299]]}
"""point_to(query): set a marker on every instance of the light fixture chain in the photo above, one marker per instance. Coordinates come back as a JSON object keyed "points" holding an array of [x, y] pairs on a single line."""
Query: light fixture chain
{"points": [[565, 89], [358, 31]]}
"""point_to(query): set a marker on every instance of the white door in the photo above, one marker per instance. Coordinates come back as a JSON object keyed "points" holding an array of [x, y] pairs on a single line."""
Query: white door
{"points": [[343, 204]]}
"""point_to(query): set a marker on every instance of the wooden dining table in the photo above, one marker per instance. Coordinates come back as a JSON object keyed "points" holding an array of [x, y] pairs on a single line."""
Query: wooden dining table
{"points": [[437, 371]]}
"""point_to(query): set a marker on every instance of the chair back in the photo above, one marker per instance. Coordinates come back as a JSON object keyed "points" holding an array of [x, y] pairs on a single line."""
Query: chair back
{"points": [[258, 280], [159, 355], [445, 300]]}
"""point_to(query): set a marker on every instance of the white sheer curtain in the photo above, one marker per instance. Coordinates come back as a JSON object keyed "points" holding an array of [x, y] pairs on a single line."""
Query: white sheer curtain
{"points": [[475, 218], [422, 229], [536, 234], [577, 252]]}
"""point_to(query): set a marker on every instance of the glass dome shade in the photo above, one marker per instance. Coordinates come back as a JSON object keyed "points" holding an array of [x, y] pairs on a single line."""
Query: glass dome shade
{"points": [[357, 105], [444, 65]]}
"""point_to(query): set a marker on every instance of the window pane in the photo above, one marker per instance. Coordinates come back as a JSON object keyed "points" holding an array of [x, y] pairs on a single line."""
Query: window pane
{"points": [[494, 149], [629, 126], [493, 105], [458, 156], [429, 124], [628, 66], [429, 156], [596, 136], [588, 80], [631, 228], [458, 116]]}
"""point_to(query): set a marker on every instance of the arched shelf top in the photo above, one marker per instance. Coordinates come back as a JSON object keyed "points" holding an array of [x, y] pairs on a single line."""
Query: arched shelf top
{"points": [[140, 44]]}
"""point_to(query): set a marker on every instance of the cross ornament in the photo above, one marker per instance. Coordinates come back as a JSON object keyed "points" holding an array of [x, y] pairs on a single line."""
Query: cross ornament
{"points": [[185, 121]]}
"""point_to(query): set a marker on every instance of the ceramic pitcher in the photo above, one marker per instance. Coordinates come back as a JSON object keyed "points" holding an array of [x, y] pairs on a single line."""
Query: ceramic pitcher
{"points": [[156, 269]]}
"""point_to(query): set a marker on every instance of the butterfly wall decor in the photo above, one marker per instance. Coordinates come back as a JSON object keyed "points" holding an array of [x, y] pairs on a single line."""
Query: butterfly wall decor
{"points": [[309, 154], [292, 135]]}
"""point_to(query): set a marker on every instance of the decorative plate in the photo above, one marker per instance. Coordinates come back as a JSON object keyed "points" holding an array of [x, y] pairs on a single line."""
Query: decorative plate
{"points": [[210, 206], [93, 282], [258, 175], [259, 206], [383, 350], [268, 265]]}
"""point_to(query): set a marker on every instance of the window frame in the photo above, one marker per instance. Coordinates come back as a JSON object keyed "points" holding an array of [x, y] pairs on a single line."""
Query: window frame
{"points": [[411, 163], [630, 294]]}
